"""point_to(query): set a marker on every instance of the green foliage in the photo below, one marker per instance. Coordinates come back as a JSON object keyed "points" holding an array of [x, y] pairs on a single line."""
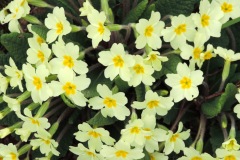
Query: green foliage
{"points": [[168, 67], [175, 7], [40, 30], [16, 44], [98, 120], [214, 107], [140, 92], [136, 12], [97, 77]]}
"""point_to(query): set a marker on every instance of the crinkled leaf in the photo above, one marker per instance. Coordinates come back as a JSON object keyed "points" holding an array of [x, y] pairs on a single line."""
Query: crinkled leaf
{"points": [[168, 67], [148, 11], [40, 30], [175, 7], [222, 41], [98, 120], [140, 92], [122, 85], [214, 107], [136, 12], [16, 45], [97, 77]]}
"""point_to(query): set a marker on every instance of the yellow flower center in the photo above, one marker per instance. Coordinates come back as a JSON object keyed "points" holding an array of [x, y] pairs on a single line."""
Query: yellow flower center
{"points": [[231, 145], [40, 40], [174, 137], [13, 156], [207, 55], [69, 88], [135, 130], [110, 102], [40, 55], [185, 83], [196, 158], [35, 122], [22, 3], [230, 157], [90, 153], [37, 82], [196, 53], [148, 31], [46, 141], [180, 29], [226, 7], [152, 104], [121, 153], [153, 57], [118, 61], [68, 61], [18, 74], [100, 28], [94, 134], [205, 20], [152, 158], [59, 27], [138, 69]]}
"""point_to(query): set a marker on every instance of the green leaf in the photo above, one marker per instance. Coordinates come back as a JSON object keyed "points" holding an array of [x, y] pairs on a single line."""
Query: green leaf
{"points": [[40, 30], [136, 12], [16, 44], [122, 85], [148, 11], [214, 107], [97, 77], [140, 92], [65, 4], [175, 7], [216, 136], [147, 156], [168, 67], [98, 120]]}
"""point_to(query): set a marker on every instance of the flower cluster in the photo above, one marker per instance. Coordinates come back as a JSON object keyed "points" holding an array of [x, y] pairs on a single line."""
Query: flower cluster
{"points": [[124, 105]]}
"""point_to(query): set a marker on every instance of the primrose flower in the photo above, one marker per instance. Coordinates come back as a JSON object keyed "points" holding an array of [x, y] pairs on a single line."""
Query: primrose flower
{"points": [[109, 103], [16, 12], [191, 153], [96, 30], [85, 153], [33, 124], [141, 72], [154, 104], [182, 29], [38, 54], [35, 37], [121, 151], [208, 19], [174, 141], [150, 32], [86, 9], [36, 82], [158, 156], [8, 152], [184, 83], [223, 154], [57, 23], [155, 60], [95, 136], [230, 9], [228, 55], [67, 57], [231, 144], [69, 85], [157, 135], [15, 75], [44, 141], [13, 104], [134, 133], [117, 61]]}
